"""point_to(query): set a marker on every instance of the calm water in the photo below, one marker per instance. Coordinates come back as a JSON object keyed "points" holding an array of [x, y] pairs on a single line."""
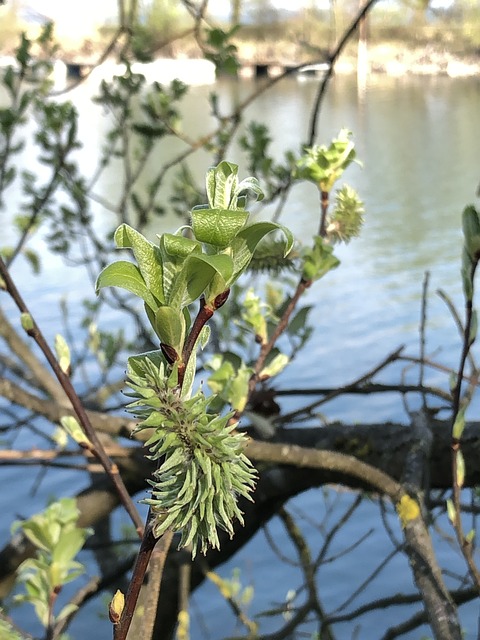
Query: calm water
{"points": [[418, 141]]}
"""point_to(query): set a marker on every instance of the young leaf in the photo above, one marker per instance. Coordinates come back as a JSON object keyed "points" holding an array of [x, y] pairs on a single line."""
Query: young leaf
{"points": [[126, 276], [170, 327], [221, 183], [246, 241], [217, 227], [459, 424], [146, 254], [319, 260], [63, 353], [197, 273], [74, 430], [274, 367]]}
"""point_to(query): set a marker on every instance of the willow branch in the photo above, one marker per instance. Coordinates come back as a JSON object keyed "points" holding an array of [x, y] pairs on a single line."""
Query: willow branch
{"points": [[110, 468]]}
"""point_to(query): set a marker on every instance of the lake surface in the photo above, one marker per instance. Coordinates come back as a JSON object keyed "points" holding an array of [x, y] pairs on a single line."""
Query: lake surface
{"points": [[418, 141]]}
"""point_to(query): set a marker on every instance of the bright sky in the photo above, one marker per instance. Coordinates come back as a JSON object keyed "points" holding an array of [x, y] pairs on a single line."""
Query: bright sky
{"points": [[94, 12]]}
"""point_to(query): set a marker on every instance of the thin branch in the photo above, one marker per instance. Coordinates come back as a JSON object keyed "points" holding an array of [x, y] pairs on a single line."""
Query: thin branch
{"points": [[97, 448], [329, 73], [391, 357]]}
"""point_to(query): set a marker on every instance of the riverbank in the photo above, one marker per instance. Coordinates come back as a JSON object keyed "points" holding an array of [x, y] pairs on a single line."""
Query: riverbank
{"points": [[394, 59]]}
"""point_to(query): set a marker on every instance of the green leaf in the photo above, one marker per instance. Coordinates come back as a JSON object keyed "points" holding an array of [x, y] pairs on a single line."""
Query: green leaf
{"points": [[217, 227], [37, 534], [274, 367], [452, 514], [177, 246], [473, 328], [68, 545], [324, 166], [146, 254], [250, 185], [33, 259], [197, 273], [170, 327], [471, 231], [459, 424], [126, 276], [66, 611], [221, 183], [204, 336], [467, 275], [74, 430], [246, 241], [174, 249]]}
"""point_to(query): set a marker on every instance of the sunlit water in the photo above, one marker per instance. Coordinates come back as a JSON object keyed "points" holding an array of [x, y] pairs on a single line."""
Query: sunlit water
{"points": [[418, 141]]}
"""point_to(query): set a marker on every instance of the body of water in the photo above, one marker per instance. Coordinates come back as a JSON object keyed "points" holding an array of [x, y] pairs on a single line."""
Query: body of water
{"points": [[418, 141]]}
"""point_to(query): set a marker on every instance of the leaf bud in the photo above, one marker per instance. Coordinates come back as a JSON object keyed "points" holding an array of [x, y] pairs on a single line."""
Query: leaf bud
{"points": [[27, 323], [471, 231], [169, 352], [116, 606], [221, 299]]}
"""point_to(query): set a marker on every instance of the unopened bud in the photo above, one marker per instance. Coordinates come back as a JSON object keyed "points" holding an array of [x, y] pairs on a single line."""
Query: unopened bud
{"points": [[221, 299], [169, 352], [115, 607]]}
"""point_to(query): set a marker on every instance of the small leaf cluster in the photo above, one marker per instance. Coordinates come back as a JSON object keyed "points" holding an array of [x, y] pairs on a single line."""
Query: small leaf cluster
{"points": [[181, 269], [325, 165], [229, 380], [318, 260], [221, 51], [58, 540], [203, 468]]}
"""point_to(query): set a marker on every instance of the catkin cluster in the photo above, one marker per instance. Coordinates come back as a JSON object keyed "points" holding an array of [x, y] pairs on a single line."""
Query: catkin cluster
{"points": [[202, 468]]}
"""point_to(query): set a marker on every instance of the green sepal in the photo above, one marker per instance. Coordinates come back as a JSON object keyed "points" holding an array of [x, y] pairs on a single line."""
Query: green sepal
{"points": [[127, 276]]}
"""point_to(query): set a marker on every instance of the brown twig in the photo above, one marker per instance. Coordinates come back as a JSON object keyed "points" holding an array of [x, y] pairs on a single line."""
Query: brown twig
{"points": [[391, 357], [110, 468]]}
